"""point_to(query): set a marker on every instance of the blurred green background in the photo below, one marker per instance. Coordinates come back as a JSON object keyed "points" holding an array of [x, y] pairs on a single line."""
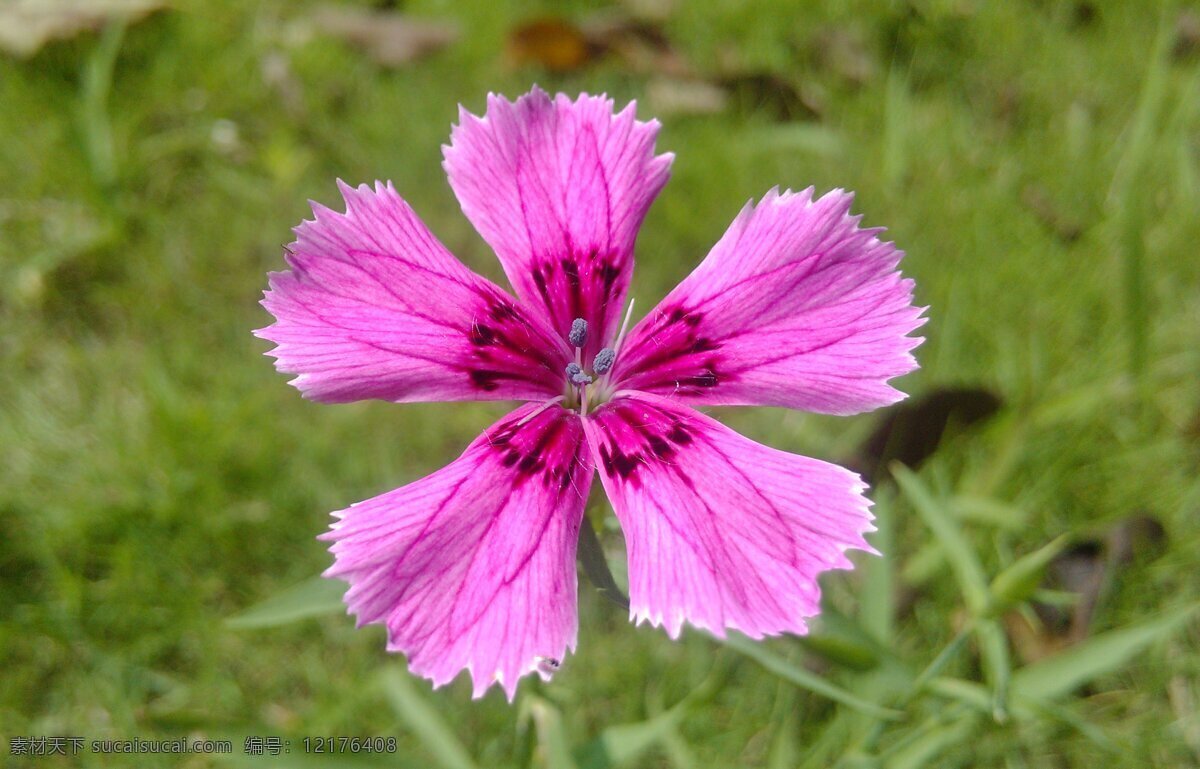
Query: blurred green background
{"points": [[1037, 161]]}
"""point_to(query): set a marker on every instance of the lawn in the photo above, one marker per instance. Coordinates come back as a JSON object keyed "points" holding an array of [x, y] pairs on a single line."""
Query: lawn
{"points": [[1036, 160]]}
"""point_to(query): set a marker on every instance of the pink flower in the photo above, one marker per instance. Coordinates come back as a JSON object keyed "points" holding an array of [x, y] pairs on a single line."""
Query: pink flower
{"points": [[474, 566]]}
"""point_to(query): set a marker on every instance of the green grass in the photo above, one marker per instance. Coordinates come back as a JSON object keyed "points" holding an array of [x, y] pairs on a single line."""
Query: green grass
{"points": [[1037, 164]]}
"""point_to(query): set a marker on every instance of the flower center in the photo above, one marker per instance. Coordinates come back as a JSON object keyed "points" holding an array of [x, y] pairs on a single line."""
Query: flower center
{"points": [[578, 393]]}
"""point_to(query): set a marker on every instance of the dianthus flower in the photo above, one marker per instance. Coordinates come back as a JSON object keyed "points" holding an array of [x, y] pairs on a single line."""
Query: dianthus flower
{"points": [[473, 567]]}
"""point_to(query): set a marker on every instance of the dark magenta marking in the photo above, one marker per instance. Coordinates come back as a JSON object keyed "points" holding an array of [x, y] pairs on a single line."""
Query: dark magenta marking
{"points": [[504, 344], [706, 378], [679, 434], [688, 317], [661, 448], [609, 274], [571, 271], [540, 281], [481, 335], [488, 381], [618, 462], [676, 338], [502, 312], [527, 454], [558, 474], [529, 464], [653, 443]]}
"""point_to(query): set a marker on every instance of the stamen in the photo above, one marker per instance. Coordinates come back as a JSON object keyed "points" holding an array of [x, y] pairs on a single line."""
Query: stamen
{"points": [[578, 335], [576, 376], [624, 325], [540, 409], [604, 360]]}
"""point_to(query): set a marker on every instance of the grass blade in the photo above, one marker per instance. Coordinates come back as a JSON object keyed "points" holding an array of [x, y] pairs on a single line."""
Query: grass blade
{"points": [[934, 668], [623, 743], [94, 122], [966, 566], [877, 606], [552, 735], [925, 749], [424, 722], [990, 512], [785, 750], [310, 598], [804, 679], [1128, 213], [993, 650], [993, 646], [1062, 673], [1018, 581], [678, 751]]}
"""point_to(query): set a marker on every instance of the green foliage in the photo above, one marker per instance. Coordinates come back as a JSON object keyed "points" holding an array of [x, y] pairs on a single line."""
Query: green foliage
{"points": [[1019, 580], [427, 725], [1036, 161], [311, 598], [1066, 671]]}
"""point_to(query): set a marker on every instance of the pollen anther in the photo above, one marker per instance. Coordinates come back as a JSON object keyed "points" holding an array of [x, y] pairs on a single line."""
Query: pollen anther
{"points": [[576, 374], [604, 360], [578, 335]]}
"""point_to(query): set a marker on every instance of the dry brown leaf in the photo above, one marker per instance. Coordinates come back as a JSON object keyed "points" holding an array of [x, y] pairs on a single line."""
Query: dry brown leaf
{"points": [[391, 39], [27, 25], [553, 43], [1187, 34], [560, 45]]}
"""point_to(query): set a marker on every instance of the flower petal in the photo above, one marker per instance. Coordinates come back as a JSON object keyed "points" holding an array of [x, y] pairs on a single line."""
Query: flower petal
{"points": [[474, 566], [795, 306], [558, 189], [721, 531], [375, 307]]}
